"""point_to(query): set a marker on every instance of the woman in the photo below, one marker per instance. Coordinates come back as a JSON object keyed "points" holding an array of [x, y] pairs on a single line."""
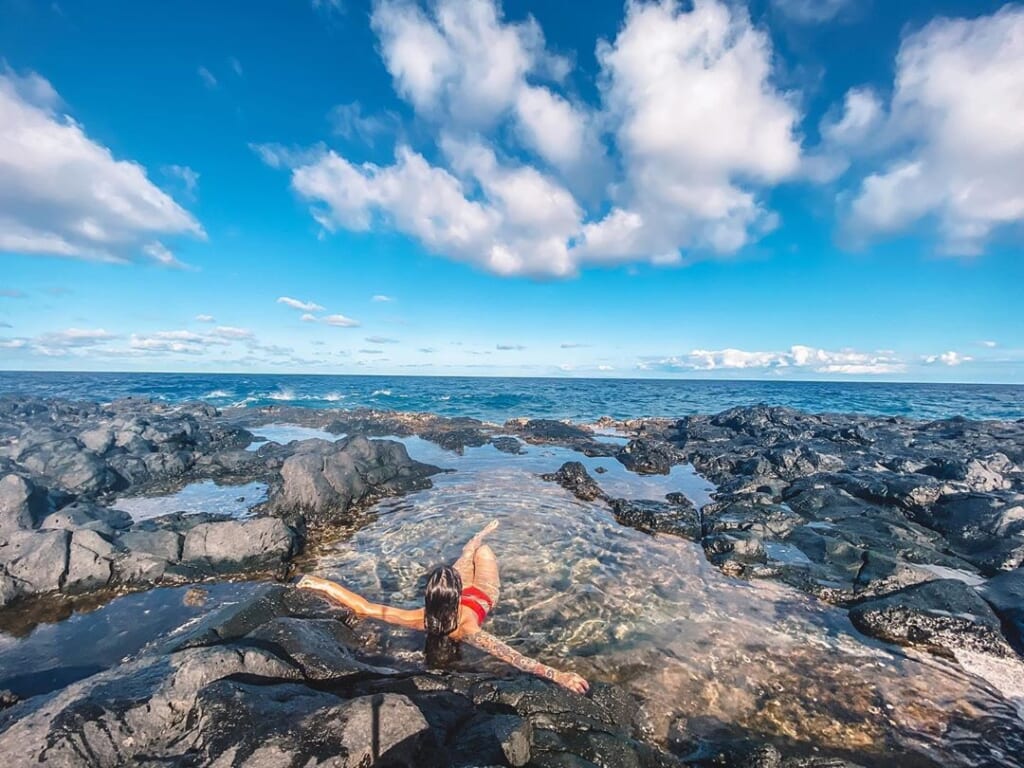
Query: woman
{"points": [[452, 612]]}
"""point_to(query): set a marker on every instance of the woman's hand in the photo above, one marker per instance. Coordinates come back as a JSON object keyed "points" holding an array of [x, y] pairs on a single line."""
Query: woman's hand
{"points": [[572, 681], [313, 582]]}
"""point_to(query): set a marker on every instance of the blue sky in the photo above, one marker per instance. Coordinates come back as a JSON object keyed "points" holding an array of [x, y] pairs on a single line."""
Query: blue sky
{"points": [[800, 189]]}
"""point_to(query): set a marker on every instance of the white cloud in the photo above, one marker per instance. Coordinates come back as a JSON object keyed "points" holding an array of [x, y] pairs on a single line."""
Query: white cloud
{"points": [[308, 318], [12, 343], [573, 345], [207, 77], [63, 194], [510, 347], [846, 361], [305, 306], [341, 321], [381, 340], [69, 341], [236, 66], [381, 298], [158, 252], [349, 122], [989, 344], [698, 122], [606, 367], [188, 178], [206, 318], [230, 332], [686, 95], [956, 113], [950, 358], [812, 11]]}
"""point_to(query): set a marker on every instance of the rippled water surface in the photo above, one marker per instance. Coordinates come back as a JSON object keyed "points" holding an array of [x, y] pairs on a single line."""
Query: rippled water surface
{"points": [[704, 651], [498, 399]]}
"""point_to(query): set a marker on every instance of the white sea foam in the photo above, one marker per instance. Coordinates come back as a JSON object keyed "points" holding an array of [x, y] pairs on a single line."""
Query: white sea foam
{"points": [[282, 394], [217, 393], [378, 392], [333, 397]]}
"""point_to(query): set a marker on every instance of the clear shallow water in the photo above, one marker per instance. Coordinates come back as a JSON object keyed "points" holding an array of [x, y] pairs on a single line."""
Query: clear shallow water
{"points": [[648, 612], [498, 399], [194, 498], [54, 655]]}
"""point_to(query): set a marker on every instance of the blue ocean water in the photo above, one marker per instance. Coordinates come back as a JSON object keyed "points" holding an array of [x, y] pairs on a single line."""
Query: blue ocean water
{"points": [[499, 399]]}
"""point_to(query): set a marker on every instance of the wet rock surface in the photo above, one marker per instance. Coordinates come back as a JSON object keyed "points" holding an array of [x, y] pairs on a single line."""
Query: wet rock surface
{"points": [[944, 615]]}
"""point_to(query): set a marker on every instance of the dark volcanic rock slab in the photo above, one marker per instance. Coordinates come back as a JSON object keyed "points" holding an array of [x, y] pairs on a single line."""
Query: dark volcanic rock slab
{"points": [[944, 616], [648, 457], [573, 476], [322, 480], [1005, 593], [658, 517]]}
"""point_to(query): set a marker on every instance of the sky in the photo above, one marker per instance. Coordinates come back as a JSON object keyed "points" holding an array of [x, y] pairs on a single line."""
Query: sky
{"points": [[790, 189]]}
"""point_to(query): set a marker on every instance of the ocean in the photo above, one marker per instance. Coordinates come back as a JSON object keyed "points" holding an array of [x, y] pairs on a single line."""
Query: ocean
{"points": [[499, 399]]}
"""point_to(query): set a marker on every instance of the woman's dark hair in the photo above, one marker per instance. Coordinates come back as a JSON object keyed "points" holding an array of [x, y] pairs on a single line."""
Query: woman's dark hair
{"points": [[441, 615], [441, 600]]}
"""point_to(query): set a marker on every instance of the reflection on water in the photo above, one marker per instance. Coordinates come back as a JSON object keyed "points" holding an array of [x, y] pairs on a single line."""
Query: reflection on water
{"points": [[648, 612], [52, 656], [205, 496]]}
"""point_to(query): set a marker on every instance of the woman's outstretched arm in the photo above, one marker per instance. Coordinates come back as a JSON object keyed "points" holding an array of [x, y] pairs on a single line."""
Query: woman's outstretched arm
{"points": [[499, 650], [362, 607]]}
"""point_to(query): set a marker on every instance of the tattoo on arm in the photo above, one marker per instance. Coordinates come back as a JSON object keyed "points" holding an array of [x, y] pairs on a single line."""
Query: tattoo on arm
{"points": [[499, 650]]}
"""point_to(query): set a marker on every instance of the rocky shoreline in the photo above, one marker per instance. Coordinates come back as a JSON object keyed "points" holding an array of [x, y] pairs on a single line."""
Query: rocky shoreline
{"points": [[917, 528]]}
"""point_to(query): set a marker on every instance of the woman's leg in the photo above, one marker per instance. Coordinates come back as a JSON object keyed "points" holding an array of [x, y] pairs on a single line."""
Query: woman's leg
{"points": [[485, 573]]}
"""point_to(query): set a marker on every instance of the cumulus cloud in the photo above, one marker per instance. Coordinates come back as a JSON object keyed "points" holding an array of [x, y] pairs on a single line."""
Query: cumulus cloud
{"points": [[63, 194], [954, 118], [381, 298], [308, 318], [698, 120], [950, 358], [305, 306], [988, 344], [206, 318], [341, 321], [846, 361], [463, 66], [686, 96]]}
